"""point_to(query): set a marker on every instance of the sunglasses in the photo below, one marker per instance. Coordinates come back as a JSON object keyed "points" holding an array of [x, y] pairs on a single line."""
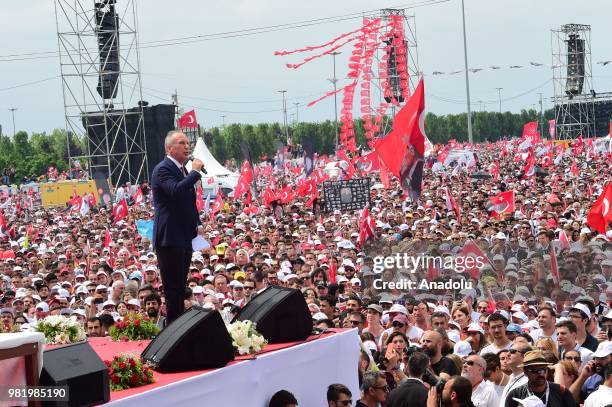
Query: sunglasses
{"points": [[536, 370], [513, 351], [355, 323], [345, 402], [398, 324]]}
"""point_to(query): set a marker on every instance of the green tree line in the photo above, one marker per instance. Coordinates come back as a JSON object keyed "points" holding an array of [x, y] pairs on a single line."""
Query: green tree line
{"points": [[31, 155]]}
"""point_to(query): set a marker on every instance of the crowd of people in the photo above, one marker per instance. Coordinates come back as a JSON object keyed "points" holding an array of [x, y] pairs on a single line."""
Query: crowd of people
{"points": [[514, 334]]}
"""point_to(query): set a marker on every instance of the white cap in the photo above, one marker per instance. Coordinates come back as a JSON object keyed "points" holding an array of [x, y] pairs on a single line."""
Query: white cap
{"points": [[583, 308], [134, 301], [531, 401], [318, 316], [603, 350], [43, 306], [398, 308], [462, 348]]}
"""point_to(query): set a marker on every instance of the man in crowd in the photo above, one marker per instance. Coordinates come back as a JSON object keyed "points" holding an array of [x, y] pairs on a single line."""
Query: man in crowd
{"points": [[338, 395], [551, 394], [483, 391], [374, 389]]}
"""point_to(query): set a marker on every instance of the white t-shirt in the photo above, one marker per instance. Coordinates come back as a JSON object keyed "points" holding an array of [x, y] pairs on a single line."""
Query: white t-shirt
{"points": [[600, 397], [484, 395], [492, 348], [538, 334]]}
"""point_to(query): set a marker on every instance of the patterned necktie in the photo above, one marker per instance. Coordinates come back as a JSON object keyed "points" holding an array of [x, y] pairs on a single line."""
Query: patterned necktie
{"points": [[184, 171]]}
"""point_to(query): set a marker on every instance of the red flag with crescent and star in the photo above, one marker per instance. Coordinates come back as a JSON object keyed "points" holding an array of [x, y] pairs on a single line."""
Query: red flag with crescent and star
{"points": [[120, 211], [188, 121], [501, 203], [600, 214]]}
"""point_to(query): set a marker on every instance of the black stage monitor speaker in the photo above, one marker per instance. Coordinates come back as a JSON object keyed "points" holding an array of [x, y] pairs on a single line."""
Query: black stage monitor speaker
{"points": [[197, 340], [281, 315], [81, 369]]}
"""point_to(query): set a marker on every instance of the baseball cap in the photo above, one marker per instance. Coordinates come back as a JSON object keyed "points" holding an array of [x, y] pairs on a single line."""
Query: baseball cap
{"points": [[462, 348], [583, 308]]}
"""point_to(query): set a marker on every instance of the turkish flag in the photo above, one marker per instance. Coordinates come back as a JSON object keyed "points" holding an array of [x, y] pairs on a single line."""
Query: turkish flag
{"points": [[92, 199], [217, 205], [600, 214], [564, 243], [529, 168], [269, 195], [200, 199], [241, 188], [368, 163], [246, 172], [107, 238], [120, 211], [75, 204], [478, 259], [319, 176], [366, 226], [138, 196], [332, 270], [211, 180], [502, 203], [286, 195], [451, 205], [402, 150], [345, 165], [547, 159], [188, 121], [530, 130]]}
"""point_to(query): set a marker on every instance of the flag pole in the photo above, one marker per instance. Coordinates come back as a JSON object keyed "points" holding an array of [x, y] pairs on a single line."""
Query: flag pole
{"points": [[467, 79]]}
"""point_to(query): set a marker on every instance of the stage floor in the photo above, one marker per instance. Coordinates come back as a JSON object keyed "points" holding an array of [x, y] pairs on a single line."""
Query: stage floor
{"points": [[305, 368]]}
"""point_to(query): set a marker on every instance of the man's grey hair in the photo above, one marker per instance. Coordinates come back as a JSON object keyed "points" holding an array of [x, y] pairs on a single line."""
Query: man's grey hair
{"points": [[170, 138], [369, 380]]}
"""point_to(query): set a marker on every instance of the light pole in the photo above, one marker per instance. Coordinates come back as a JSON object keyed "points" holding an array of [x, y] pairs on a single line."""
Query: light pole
{"points": [[541, 114], [285, 114], [223, 118], [467, 79], [12, 109], [334, 80], [297, 111], [499, 96]]}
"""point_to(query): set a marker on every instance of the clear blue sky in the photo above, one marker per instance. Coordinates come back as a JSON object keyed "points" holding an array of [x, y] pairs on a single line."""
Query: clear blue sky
{"points": [[244, 69]]}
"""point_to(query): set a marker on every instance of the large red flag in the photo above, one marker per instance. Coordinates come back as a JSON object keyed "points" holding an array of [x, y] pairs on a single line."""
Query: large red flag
{"points": [[600, 214], [345, 164], [477, 259], [502, 203], [120, 211], [402, 150], [188, 121], [286, 195], [332, 270]]}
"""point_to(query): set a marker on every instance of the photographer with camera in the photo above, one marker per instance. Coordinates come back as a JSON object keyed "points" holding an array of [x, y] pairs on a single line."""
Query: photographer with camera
{"points": [[456, 392]]}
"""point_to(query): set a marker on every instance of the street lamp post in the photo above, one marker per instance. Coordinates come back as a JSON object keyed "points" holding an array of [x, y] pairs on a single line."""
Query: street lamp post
{"points": [[297, 111], [12, 109], [467, 79], [285, 114], [334, 80], [499, 96]]}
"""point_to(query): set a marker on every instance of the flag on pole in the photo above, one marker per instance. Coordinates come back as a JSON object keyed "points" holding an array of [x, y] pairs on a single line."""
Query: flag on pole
{"points": [[366, 226], [552, 127], [120, 211], [451, 205], [188, 121], [501, 203], [554, 269], [403, 149]]}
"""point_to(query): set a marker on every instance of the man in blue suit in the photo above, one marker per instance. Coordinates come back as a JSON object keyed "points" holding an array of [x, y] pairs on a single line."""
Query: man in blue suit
{"points": [[176, 220]]}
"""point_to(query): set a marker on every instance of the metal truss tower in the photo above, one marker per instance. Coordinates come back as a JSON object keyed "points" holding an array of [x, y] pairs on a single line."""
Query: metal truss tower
{"points": [[573, 81], [102, 86], [412, 62]]}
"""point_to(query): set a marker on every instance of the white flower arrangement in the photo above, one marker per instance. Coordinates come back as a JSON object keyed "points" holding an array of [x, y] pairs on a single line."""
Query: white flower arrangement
{"points": [[245, 338], [60, 330]]}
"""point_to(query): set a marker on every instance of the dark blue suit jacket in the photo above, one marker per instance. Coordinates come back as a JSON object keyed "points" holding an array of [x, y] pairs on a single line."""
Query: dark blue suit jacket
{"points": [[174, 198]]}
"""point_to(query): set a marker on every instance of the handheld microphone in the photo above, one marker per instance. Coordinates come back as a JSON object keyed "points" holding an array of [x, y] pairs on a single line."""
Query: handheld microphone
{"points": [[191, 158]]}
